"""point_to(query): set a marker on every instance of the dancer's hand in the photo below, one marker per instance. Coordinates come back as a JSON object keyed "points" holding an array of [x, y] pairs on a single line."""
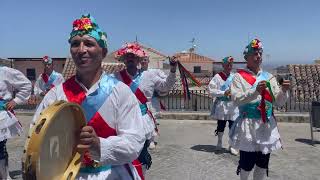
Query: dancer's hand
{"points": [[262, 85], [10, 105], [173, 63], [88, 140]]}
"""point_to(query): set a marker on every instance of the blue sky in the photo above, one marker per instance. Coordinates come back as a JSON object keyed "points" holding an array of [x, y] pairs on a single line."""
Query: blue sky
{"points": [[289, 29]]}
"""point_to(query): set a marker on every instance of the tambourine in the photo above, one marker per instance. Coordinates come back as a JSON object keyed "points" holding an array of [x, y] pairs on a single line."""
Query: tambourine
{"points": [[50, 150]]}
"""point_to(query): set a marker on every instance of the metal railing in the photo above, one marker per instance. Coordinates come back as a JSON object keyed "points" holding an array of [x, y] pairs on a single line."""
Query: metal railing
{"points": [[199, 101], [299, 101]]}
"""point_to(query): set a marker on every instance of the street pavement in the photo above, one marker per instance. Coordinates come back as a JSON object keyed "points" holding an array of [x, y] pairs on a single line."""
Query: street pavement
{"points": [[186, 151]]}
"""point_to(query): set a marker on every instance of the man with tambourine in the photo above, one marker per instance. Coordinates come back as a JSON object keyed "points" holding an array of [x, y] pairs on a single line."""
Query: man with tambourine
{"points": [[112, 140]]}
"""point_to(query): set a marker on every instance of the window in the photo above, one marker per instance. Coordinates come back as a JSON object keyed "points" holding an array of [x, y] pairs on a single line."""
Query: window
{"points": [[197, 69], [31, 74]]}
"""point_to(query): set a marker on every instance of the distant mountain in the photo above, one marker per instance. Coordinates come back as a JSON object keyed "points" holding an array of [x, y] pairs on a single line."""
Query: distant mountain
{"points": [[269, 67]]}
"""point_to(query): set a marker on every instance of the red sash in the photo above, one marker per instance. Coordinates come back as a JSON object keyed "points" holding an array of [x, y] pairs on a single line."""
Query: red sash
{"points": [[45, 77], [76, 94], [223, 76], [127, 80], [139, 94], [265, 95]]}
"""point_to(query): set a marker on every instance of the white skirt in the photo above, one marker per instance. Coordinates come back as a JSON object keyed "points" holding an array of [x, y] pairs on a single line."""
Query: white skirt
{"points": [[9, 125], [252, 135], [224, 110]]}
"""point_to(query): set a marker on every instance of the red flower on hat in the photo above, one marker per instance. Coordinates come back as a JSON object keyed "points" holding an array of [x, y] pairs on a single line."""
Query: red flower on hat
{"points": [[256, 44], [82, 24]]}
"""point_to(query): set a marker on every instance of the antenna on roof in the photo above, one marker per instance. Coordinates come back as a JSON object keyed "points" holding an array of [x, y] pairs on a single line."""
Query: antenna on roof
{"points": [[136, 39], [193, 48]]}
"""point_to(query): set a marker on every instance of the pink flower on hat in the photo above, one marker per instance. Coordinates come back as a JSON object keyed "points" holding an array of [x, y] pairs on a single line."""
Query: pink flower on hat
{"points": [[47, 60], [133, 48]]}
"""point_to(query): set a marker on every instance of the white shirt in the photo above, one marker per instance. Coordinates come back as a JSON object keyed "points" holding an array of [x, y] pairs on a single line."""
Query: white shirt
{"points": [[242, 93], [155, 106], [221, 110], [40, 86], [152, 80], [249, 134], [12, 79], [122, 113]]}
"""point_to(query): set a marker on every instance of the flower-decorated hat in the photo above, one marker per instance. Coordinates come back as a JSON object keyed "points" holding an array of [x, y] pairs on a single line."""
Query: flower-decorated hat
{"points": [[227, 59], [131, 48], [47, 60], [254, 45], [87, 25]]}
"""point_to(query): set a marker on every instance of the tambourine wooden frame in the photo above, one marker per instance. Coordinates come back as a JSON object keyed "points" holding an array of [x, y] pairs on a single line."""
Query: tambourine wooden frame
{"points": [[33, 143]]}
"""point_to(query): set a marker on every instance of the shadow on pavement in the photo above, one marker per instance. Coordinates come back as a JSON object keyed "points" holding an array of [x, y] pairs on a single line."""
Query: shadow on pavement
{"points": [[15, 174], [307, 141], [209, 148]]}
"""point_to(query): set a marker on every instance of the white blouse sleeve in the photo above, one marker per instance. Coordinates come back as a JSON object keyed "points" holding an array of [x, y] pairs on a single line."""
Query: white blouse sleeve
{"points": [[37, 90], [127, 145], [214, 87], [280, 96], [164, 84], [21, 83], [60, 79]]}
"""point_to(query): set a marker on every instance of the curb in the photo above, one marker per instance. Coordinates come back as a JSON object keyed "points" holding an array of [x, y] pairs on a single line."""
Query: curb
{"points": [[281, 117], [24, 113]]}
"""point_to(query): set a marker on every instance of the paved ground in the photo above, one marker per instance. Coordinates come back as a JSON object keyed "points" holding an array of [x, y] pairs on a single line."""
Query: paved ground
{"points": [[186, 151]]}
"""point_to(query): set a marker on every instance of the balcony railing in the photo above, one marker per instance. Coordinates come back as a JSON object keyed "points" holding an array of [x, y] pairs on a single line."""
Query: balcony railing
{"points": [[299, 101]]}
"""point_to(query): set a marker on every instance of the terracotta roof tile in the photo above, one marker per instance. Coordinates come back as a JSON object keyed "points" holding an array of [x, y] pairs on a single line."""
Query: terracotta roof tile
{"points": [[305, 79], [193, 58], [70, 68]]}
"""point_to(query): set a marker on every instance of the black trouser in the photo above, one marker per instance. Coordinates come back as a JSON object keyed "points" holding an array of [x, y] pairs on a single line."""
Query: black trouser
{"points": [[3, 151], [249, 159], [145, 157], [222, 125]]}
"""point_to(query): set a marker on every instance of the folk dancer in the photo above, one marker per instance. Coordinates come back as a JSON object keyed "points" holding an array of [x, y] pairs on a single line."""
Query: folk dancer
{"points": [[10, 80], [143, 84], [48, 79], [223, 109], [255, 132], [114, 136]]}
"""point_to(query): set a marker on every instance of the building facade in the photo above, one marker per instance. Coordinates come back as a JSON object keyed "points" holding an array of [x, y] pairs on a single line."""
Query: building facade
{"points": [[33, 67]]}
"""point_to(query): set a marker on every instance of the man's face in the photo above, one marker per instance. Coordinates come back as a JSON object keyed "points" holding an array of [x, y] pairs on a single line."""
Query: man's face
{"points": [[86, 53], [47, 67], [254, 59], [144, 63], [131, 60], [227, 67]]}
